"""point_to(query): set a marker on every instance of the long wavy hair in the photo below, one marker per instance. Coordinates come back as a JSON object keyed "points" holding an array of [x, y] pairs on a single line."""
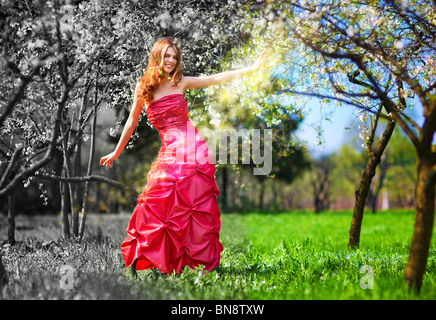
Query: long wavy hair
{"points": [[153, 75]]}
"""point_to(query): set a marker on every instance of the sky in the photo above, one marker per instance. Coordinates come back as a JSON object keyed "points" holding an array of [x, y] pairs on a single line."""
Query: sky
{"points": [[335, 133], [334, 129]]}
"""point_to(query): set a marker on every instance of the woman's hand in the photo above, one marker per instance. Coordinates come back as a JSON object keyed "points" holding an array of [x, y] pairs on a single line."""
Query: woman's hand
{"points": [[261, 60], [223, 77], [108, 159]]}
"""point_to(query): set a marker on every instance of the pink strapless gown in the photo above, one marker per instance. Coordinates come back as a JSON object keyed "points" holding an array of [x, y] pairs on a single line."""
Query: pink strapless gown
{"points": [[176, 222]]}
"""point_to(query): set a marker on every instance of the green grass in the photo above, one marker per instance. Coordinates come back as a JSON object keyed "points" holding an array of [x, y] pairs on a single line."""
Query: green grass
{"points": [[305, 256], [298, 255]]}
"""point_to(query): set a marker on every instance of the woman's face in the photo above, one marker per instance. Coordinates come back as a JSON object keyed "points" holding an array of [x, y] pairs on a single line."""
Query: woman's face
{"points": [[170, 61]]}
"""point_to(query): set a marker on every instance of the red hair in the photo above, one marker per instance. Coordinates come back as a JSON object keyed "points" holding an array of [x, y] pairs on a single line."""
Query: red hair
{"points": [[153, 75]]}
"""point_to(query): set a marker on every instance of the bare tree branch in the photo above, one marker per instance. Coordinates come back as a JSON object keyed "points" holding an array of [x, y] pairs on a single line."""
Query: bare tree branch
{"points": [[13, 160], [322, 96], [81, 179], [25, 80]]}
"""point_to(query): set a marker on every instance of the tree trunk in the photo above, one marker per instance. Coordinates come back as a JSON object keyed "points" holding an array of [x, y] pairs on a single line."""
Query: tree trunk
{"points": [[385, 200], [70, 189], [7, 174], [381, 180], [365, 183], [63, 186], [317, 199], [371, 200], [78, 187], [359, 204], [261, 195], [321, 186], [3, 276], [84, 210], [11, 219], [89, 170], [425, 206]]}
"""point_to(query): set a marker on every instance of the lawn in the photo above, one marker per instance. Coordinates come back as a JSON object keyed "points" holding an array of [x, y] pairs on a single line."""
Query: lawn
{"points": [[297, 255]]}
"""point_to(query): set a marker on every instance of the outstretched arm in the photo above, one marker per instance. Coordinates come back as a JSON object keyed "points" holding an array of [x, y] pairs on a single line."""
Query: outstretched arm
{"points": [[223, 77], [129, 127]]}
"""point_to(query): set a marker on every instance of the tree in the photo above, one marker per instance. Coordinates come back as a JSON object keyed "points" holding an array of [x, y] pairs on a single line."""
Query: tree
{"points": [[250, 102], [36, 120], [322, 168], [348, 163], [3, 276], [386, 44], [401, 171], [374, 158], [24, 140]]}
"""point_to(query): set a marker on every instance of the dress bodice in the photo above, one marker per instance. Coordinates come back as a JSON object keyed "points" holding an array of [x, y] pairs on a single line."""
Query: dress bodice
{"points": [[168, 112], [181, 141]]}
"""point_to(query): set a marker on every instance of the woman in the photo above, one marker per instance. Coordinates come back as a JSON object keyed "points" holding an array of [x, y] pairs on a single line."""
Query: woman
{"points": [[176, 221]]}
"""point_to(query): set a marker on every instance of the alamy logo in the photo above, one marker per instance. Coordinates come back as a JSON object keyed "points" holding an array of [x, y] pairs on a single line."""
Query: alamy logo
{"points": [[67, 277], [222, 146], [367, 281]]}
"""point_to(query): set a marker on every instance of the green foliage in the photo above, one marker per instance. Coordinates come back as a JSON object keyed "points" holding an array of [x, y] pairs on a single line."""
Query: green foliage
{"points": [[296, 255], [399, 163], [401, 174], [348, 167]]}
